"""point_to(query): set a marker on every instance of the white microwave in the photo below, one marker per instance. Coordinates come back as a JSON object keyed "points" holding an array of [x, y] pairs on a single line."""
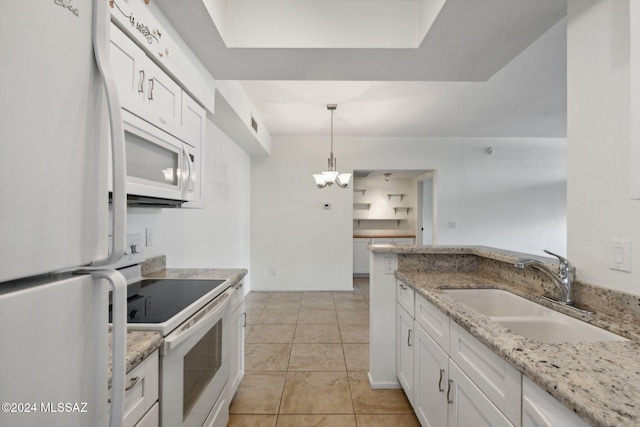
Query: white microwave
{"points": [[162, 170]]}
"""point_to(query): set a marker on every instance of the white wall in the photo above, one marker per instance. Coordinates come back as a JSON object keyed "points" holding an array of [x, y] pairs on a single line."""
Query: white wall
{"points": [[599, 206], [514, 199], [217, 236]]}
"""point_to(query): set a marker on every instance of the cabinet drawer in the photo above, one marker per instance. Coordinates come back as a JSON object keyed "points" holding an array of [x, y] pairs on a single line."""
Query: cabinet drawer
{"points": [[433, 321], [237, 296], [540, 409], [141, 390], [498, 380], [405, 296]]}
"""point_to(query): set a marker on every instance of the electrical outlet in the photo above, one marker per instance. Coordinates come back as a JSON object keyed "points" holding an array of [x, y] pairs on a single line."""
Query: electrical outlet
{"points": [[389, 265], [150, 235]]}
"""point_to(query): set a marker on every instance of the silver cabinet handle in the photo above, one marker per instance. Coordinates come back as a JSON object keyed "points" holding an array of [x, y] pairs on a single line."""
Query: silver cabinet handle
{"points": [[150, 89], [141, 87], [244, 319], [449, 401], [403, 287], [440, 389], [409, 339], [134, 381]]}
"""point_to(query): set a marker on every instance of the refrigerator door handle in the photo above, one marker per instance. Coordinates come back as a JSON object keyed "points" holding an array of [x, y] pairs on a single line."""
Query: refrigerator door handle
{"points": [[101, 48], [119, 342]]}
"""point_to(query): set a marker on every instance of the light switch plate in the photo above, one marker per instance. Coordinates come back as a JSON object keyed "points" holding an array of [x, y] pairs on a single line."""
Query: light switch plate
{"points": [[620, 255]]}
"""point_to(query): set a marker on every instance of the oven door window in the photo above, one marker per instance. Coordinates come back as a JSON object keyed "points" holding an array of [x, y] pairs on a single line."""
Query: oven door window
{"points": [[200, 365]]}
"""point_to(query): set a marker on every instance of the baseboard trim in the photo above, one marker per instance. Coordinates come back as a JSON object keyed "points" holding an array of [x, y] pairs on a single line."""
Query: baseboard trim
{"points": [[380, 385]]}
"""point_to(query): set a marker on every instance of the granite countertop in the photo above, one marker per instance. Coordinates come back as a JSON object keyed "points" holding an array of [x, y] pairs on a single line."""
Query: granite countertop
{"points": [[141, 344], [599, 381], [233, 275]]}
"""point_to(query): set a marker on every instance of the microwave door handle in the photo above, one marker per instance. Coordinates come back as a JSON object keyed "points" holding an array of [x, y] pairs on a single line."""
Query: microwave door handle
{"points": [[101, 48], [187, 158], [172, 341]]}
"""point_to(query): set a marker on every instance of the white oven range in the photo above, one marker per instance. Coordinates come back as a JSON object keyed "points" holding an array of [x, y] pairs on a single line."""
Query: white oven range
{"points": [[193, 317]]}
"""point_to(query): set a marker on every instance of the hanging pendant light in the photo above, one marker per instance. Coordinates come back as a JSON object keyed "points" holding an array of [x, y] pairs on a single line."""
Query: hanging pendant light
{"points": [[327, 178]]}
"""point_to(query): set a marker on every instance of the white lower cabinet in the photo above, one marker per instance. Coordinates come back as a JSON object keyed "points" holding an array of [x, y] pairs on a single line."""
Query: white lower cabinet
{"points": [[540, 409], [151, 418], [431, 380], [500, 382], [141, 394], [405, 350], [468, 405], [457, 381], [238, 322]]}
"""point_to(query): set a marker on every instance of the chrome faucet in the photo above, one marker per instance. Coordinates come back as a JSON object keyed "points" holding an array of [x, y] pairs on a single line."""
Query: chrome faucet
{"points": [[563, 278]]}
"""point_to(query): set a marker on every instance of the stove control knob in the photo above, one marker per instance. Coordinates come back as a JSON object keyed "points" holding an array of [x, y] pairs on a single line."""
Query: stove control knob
{"points": [[134, 249], [134, 315], [127, 250]]}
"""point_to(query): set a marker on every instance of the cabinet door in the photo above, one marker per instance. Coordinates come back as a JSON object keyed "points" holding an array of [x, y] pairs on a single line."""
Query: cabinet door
{"points": [[360, 256], [193, 120], [498, 380], [540, 409], [163, 100], [404, 350], [127, 64], [430, 380], [236, 363], [144, 89], [468, 406], [151, 418]]}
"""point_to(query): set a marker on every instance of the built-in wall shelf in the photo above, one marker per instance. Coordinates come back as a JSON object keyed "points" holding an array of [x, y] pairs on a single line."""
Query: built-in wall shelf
{"points": [[396, 195], [361, 206], [401, 209], [357, 221], [359, 190]]}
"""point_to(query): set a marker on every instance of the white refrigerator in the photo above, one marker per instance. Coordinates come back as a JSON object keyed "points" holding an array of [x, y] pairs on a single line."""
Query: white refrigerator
{"points": [[58, 109]]}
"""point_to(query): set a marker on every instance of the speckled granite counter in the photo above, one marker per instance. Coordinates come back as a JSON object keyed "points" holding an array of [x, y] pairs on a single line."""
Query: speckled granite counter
{"points": [[599, 381], [140, 344]]}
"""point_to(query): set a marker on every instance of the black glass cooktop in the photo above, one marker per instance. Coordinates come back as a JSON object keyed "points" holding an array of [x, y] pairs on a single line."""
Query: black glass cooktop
{"points": [[158, 300]]}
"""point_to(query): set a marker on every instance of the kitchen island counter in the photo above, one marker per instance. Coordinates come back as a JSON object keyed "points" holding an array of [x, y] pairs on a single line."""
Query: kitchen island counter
{"points": [[599, 381]]}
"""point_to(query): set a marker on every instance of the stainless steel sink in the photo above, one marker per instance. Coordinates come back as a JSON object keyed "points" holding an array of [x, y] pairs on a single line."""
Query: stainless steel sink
{"points": [[528, 319]]}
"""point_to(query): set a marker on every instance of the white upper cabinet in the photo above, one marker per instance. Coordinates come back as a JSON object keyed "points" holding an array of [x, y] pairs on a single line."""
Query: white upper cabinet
{"points": [[148, 93], [144, 89]]}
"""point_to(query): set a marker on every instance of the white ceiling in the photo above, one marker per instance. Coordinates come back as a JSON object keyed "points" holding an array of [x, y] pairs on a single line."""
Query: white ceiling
{"points": [[485, 68]]}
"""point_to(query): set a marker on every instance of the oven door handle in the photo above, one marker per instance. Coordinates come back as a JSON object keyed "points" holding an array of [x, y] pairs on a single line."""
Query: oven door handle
{"points": [[194, 325]]}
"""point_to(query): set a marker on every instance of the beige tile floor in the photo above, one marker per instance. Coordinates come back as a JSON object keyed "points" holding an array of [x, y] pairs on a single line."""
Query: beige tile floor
{"points": [[306, 364]]}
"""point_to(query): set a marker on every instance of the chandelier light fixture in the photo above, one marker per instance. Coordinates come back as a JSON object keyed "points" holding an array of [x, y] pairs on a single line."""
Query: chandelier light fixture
{"points": [[331, 176]]}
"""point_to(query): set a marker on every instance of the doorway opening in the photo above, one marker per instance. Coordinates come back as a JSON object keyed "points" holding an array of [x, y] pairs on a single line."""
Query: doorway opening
{"points": [[389, 208]]}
